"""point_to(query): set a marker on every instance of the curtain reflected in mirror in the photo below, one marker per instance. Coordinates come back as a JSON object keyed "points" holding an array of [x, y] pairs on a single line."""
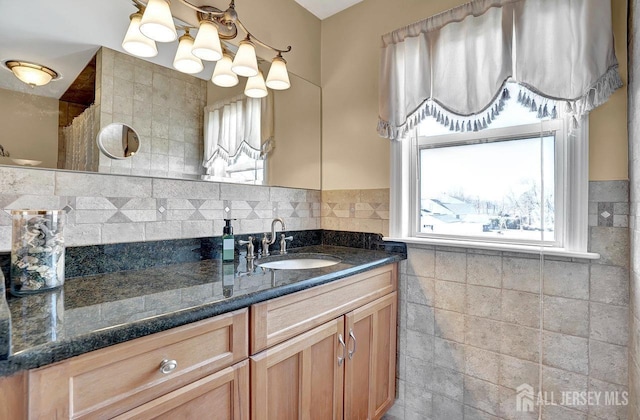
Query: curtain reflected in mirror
{"points": [[80, 153], [238, 136]]}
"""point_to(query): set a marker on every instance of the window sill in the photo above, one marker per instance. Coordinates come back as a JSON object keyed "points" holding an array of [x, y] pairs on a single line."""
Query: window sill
{"points": [[528, 249]]}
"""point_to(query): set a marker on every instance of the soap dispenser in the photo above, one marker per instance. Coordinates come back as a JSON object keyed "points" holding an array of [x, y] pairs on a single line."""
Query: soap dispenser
{"points": [[228, 250]]}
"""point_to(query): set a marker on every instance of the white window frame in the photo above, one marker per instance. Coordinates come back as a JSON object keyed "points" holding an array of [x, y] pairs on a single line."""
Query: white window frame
{"points": [[572, 171]]}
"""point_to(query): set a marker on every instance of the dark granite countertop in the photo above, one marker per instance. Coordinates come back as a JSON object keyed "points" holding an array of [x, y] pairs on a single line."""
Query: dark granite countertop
{"points": [[93, 312]]}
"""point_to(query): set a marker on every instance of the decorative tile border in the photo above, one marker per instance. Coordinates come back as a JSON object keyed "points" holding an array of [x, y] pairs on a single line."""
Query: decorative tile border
{"points": [[356, 210], [609, 204], [113, 209]]}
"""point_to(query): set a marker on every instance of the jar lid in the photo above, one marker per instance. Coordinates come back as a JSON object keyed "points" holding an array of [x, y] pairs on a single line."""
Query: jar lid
{"points": [[26, 212]]}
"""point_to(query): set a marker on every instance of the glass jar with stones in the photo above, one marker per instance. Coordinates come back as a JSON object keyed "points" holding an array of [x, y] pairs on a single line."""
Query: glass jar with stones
{"points": [[37, 251]]}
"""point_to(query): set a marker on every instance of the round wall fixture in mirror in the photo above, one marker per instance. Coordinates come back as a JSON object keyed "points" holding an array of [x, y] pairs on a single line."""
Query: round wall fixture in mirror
{"points": [[118, 141]]}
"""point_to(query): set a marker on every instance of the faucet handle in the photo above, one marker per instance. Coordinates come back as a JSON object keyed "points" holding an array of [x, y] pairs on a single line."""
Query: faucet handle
{"points": [[283, 243], [249, 244], [241, 242], [265, 245]]}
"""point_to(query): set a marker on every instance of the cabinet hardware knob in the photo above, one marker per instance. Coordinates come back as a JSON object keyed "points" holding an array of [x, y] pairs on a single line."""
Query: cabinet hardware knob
{"points": [[353, 337], [168, 366], [344, 350]]}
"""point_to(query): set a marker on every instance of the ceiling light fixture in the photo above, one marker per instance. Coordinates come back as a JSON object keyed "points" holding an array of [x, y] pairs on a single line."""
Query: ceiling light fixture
{"points": [[207, 44], [185, 61], [222, 74], [278, 78], [154, 21], [135, 42], [157, 21], [255, 87], [31, 73]]}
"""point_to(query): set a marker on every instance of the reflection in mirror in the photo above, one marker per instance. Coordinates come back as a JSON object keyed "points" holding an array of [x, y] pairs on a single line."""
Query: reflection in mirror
{"points": [[238, 133], [118, 141], [166, 108]]}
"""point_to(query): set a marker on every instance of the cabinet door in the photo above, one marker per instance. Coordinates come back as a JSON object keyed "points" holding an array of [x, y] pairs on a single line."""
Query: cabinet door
{"points": [[222, 395], [301, 378], [370, 384]]}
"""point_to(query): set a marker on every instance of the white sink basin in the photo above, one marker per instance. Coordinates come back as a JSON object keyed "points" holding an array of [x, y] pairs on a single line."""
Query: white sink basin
{"points": [[298, 262]]}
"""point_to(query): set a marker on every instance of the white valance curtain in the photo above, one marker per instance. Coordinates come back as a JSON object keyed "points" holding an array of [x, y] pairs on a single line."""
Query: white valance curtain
{"points": [[453, 66], [240, 126]]}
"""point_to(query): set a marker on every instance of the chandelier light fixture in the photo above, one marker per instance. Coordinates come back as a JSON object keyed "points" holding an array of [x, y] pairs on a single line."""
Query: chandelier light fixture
{"points": [[154, 22], [31, 73]]}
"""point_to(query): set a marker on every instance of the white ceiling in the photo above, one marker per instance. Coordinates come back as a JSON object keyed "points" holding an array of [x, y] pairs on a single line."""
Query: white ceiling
{"points": [[325, 8]]}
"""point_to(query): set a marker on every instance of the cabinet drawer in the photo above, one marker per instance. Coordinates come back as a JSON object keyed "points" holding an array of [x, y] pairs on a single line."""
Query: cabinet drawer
{"points": [[277, 320], [113, 380], [225, 393]]}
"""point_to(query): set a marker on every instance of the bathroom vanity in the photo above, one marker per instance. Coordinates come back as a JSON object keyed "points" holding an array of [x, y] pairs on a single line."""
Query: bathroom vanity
{"points": [[165, 342]]}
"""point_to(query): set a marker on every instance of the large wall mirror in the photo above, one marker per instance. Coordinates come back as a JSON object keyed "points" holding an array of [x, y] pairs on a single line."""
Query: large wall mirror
{"points": [[181, 120]]}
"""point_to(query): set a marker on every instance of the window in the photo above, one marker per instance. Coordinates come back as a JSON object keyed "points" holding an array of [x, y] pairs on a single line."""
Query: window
{"points": [[520, 181]]}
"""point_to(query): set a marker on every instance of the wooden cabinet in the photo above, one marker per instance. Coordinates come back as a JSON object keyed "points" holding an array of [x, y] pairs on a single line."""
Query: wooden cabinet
{"points": [[370, 383], [277, 320], [344, 368], [301, 378], [111, 381]]}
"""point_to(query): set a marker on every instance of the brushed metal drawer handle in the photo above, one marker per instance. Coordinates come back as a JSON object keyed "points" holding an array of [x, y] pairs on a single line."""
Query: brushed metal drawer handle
{"points": [[168, 366], [344, 350], [353, 337]]}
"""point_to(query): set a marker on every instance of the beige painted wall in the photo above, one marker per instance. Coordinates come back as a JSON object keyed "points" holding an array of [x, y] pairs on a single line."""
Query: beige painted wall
{"points": [[355, 157], [295, 161], [608, 138], [29, 127]]}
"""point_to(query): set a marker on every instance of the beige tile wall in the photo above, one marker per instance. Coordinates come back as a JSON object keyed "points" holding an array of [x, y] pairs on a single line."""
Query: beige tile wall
{"points": [[470, 333], [356, 210], [163, 105]]}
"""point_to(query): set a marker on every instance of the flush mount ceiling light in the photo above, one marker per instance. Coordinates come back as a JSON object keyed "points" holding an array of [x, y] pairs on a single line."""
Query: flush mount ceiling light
{"points": [[155, 23], [31, 73]]}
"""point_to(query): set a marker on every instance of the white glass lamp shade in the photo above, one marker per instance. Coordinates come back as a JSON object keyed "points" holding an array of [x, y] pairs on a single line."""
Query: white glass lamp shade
{"points": [[245, 63], [255, 87], [157, 22], [278, 77], [207, 44], [185, 61], [31, 73], [136, 43], [222, 74]]}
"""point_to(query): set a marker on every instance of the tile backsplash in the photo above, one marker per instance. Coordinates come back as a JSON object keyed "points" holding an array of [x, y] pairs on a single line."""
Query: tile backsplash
{"points": [[356, 210], [112, 208]]}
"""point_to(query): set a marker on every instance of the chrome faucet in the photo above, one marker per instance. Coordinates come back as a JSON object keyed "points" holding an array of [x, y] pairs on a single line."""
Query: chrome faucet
{"points": [[266, 241]]}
